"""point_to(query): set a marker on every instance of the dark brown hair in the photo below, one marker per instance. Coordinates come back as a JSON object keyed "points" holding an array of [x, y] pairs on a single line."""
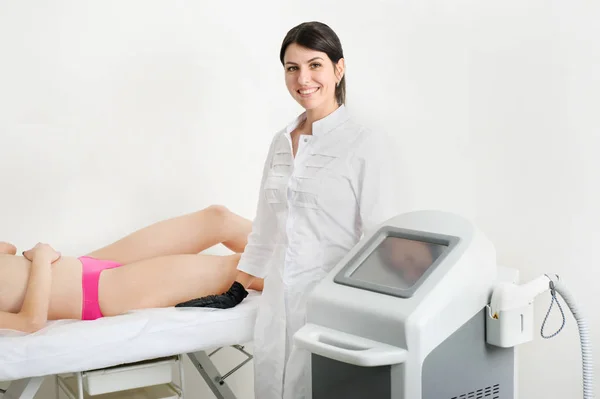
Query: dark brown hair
{"points": [[319, 37]]}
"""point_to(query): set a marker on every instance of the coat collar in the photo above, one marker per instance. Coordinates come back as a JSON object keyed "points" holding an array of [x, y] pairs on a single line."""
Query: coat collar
{"points": [[324, 125]]}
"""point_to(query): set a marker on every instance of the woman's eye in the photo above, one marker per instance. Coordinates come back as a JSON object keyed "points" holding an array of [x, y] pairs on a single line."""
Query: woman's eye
{"points": [[292, 68], [316, 65]]}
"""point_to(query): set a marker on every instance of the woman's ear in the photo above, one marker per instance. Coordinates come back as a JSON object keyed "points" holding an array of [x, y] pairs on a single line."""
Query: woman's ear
{"points": [[340, 69]]}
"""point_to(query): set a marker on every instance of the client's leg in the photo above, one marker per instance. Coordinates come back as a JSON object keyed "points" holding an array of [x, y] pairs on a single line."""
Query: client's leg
{"points": [[164, 281], [186, 234]]}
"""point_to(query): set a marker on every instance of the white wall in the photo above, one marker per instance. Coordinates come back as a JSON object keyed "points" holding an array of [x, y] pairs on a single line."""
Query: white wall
{"points": [[115, 114]]}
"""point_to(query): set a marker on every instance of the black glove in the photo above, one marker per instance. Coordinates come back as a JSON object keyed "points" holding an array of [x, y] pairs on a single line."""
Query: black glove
{"points": [[226, 300]]}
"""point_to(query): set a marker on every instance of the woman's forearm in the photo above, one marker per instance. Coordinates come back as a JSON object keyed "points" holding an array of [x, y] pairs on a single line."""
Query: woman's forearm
{"points": [[244, 279], [37, 297]]}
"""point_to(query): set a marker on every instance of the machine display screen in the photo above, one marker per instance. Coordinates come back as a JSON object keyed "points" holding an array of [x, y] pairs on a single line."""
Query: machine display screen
{"points": [[398, 262]]}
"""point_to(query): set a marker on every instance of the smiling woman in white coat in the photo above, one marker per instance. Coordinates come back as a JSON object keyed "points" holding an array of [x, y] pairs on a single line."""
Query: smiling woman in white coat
{"points": [[326, 181]]}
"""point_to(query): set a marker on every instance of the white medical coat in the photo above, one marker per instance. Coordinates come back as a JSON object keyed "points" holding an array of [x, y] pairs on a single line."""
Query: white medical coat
{"points": [[312, 210]]}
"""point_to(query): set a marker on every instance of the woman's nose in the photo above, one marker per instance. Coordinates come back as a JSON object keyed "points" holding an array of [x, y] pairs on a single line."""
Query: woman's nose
{"points": [[304, 77]]}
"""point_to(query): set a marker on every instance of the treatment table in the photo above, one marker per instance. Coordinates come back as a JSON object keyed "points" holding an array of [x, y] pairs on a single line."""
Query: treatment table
{"points": [[128, 351]]}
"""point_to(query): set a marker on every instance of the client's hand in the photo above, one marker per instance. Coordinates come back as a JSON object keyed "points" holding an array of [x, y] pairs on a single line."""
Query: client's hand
{"points": [[7, 248], [44, 251], [226, 300]]}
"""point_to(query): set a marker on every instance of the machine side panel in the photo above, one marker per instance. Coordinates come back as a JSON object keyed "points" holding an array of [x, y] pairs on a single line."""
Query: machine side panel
{"points": [[465, 366]]}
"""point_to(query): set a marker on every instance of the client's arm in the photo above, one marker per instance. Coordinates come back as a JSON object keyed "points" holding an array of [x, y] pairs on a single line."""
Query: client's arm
{"points": [[34, 311]]}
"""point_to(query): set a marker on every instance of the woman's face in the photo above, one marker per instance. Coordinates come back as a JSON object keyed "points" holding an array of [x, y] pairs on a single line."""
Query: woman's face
{"points": [[310, 76]]}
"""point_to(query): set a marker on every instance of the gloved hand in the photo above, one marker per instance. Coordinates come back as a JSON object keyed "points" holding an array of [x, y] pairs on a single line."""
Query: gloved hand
{"points": [[226, 300]]}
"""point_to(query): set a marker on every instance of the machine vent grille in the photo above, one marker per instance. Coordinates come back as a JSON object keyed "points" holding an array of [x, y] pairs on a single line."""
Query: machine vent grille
{"points": [[491, 392]]}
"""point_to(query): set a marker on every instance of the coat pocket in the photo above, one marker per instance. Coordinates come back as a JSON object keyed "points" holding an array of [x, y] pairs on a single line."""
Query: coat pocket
{"points": [[274, 190], [304, 193], [282, 164]]}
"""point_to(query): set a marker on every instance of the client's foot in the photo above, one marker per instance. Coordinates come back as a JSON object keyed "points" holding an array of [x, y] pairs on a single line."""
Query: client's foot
{"points": [[226, 300]]}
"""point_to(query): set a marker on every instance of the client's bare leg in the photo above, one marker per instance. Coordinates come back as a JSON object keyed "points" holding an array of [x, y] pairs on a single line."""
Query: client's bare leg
{"points": [[165, 281], [7, 248], [186, 234]]}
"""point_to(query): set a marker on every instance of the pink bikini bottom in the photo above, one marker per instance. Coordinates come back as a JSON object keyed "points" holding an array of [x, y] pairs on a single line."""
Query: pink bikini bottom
{"points": [[90, 308]]}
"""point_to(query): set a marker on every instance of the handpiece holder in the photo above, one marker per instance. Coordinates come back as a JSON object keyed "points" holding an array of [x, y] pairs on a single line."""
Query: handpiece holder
{"points": [[509, 316]]}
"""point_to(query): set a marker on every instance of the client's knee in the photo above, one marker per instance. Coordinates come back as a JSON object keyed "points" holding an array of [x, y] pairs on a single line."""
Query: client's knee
{"points": [[217, 210], [219, 216]]}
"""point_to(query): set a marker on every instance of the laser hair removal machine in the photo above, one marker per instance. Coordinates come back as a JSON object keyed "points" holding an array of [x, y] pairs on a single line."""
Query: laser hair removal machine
{"points": [[419, 310]]}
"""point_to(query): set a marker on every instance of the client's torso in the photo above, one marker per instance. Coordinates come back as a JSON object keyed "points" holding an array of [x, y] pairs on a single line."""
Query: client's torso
{"points": [[65, 297]]}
